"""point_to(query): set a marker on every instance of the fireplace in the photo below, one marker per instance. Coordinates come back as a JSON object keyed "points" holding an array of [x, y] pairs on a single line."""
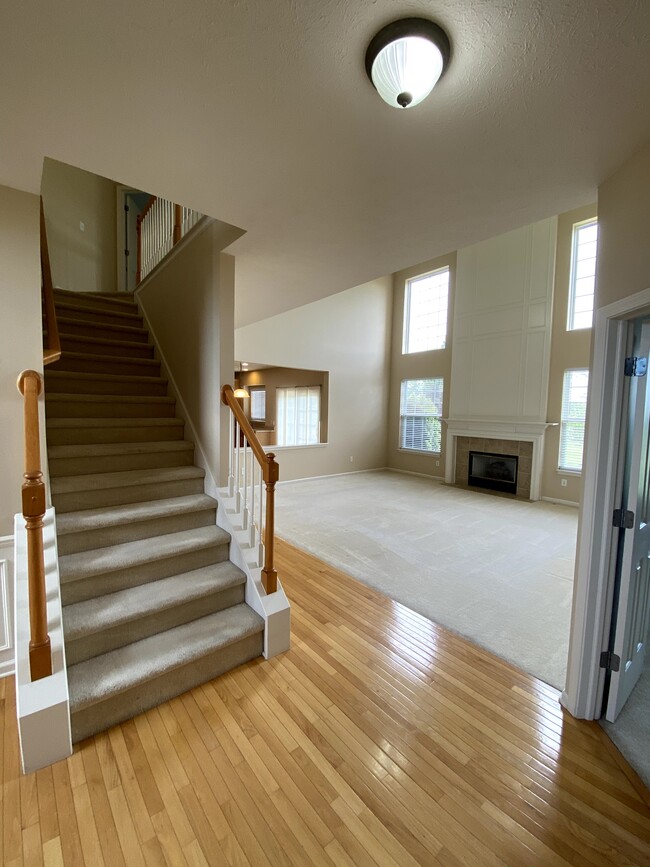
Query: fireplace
{"points": [[496, 472]]}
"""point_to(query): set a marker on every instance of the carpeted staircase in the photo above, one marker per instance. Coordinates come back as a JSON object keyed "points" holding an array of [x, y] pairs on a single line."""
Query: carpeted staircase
{"points": [[151, 604]]}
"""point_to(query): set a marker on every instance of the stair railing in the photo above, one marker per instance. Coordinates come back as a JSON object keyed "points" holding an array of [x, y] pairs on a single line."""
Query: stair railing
{"points": [[251, 470], [30, 385], [159, 227], [51, 352]]}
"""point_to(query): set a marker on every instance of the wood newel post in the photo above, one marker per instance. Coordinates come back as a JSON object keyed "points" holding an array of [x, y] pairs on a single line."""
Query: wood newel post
{"points": [[138, 231], [33, 496], [178, 223], [269, 574]]}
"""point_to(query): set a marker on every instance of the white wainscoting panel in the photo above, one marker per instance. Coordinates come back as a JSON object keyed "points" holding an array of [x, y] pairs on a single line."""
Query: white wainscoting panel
{"points": [[6, 605], [502, 326]]}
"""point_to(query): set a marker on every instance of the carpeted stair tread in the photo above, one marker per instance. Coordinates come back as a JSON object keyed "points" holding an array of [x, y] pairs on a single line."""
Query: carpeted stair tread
{"points": [[125, 668], [121, 331], [60, 397], [129, 347], [96, 298], [104, 612], [71, 310], [130, 555], [112, 516], [80, 381], [126, 479], [113, 422], [109, 359], [99, 450]]}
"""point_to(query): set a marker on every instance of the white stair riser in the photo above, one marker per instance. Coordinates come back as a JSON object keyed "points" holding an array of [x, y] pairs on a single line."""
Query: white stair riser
{"points": [[89, 646], [109, 408], [119, 463], [121, 350], [132, 702], [78, 500], [88, 540], [88, 435], [144, 573]]}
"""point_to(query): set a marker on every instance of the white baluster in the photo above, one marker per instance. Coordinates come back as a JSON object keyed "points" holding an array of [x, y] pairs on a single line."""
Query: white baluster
{"points": [[238, 470], [260, 557], [253, 528], [244, 520], [231, 456]]}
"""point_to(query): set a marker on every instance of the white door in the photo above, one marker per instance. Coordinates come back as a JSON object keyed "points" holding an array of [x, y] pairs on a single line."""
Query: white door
{"points": [[633, 605]]}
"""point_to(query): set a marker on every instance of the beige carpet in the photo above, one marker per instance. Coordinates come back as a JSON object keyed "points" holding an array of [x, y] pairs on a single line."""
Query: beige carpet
{"points": [[496, 570]]}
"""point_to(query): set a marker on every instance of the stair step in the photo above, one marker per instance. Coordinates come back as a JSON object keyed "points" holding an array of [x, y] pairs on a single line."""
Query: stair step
{"points": [[118, 685], [88, 574], [88, 362], [72, 431], [103, 624], [114, 525], [98, 300], [92, 314], [60, 405], [106, 330], [75, 493], [102, 346], [73, 382], [81, 460]]}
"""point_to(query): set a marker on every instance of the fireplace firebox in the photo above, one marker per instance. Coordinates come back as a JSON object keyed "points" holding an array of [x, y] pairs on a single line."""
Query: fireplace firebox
{"points": [[495, 472]]}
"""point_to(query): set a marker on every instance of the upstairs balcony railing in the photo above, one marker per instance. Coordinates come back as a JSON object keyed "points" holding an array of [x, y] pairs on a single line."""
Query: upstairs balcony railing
{"points": [[252, 476], [159, 228]]}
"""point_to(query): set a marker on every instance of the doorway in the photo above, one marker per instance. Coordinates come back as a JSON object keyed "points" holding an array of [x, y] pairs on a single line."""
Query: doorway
{"points": [[130, 203]]}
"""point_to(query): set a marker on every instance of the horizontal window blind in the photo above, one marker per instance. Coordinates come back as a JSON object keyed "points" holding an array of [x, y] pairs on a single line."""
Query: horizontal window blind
{"points": [[572, 421], [258, 403], [298, 412], [425, 312], [583, 275], [420, 413]]}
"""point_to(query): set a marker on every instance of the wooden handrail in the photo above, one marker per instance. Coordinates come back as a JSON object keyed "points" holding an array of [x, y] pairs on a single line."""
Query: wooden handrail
{"points": [[51, 352], [30, 385], [270, 475]]}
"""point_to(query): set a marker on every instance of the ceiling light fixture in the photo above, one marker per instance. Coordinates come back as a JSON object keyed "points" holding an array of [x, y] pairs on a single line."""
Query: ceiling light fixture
{"points": [[405, 60]]}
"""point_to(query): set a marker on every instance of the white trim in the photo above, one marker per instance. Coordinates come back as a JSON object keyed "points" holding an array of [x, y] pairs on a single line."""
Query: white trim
{"points": [[559, 502], [4, 607], [593, 585], [440, 479], [333, 475]]}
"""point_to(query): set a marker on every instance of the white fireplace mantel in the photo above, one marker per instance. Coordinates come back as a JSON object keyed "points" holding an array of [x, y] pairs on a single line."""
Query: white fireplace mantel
{"points": [[499, 429]]}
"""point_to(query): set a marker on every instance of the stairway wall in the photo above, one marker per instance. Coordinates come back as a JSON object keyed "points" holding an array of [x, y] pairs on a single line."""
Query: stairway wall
{"points": [[189, 306]]}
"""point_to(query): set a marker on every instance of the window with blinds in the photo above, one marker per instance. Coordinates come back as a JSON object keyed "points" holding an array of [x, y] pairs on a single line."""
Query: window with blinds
{"points": [[583, 275], [258, 402], [425, 312], [572, 421], [298, 416], [420, 427]]}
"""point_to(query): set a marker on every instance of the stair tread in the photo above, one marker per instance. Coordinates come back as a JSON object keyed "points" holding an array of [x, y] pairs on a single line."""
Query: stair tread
{"points": [[127, 555], [86, 618], [124, 479], [109, 326], [90, 376], [112, 516], [70, 305], [147, 421], [92, 450], [127, 667], [103, 341], [110, 359], [96, 296], [62, 397]]}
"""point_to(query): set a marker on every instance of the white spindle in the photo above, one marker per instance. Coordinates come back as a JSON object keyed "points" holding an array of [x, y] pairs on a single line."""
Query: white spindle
{"points": [[260, 558], [231, 456], [252, 512], [244, 520], [238, 469]]}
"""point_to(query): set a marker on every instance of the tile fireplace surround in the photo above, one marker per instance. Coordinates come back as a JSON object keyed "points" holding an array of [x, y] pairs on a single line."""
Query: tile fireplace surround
{"points": [[524, 439]]}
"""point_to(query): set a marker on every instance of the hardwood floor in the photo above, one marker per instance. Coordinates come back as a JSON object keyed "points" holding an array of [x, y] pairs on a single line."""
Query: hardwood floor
{"points": [[378, 739]]}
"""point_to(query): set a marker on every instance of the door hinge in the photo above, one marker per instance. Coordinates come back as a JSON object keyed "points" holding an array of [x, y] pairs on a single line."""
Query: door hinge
{"points": [[623, 519], [610, 660], [636, 366]]}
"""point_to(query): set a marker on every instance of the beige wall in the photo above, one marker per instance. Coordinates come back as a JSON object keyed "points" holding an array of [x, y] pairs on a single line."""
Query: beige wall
{"points": [[568, 349], [189, 304], [347, 335], [624, 218], [82, 261], [418, 365], [286, 377], [21, 341]]}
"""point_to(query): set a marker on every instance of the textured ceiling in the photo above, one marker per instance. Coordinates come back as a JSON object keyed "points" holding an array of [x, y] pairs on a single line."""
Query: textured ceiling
{"points": [[260, 114]]}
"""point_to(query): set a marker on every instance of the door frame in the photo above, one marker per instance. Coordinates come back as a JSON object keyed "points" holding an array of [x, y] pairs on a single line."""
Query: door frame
{"points": [[595, 556]]}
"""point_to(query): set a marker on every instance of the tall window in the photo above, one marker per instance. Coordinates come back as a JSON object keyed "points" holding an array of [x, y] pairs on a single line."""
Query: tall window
{"points": [[425, 312], [420, 412], [583, 275], [298, 412], [258, 402], [572, 422]]}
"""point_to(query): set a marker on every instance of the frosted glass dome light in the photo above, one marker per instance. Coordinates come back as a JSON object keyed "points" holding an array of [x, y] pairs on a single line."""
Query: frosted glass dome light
{"points": [[405, 60]]}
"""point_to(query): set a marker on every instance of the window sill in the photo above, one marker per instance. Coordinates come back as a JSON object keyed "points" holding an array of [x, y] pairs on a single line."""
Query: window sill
{"points": [[418, 452], [287, 448], [576, 473]]}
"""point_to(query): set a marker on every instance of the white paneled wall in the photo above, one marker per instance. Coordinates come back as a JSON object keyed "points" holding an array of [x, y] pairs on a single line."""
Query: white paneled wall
{"points": [[502, 326]]}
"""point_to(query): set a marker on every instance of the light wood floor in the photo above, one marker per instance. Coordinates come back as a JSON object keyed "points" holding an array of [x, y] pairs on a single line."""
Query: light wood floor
{"points": [[379, 739]]}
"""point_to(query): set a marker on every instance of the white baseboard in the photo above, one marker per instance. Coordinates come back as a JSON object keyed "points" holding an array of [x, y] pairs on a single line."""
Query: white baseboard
{"points": [[332, 475], [561, 502], [411, 473]]}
